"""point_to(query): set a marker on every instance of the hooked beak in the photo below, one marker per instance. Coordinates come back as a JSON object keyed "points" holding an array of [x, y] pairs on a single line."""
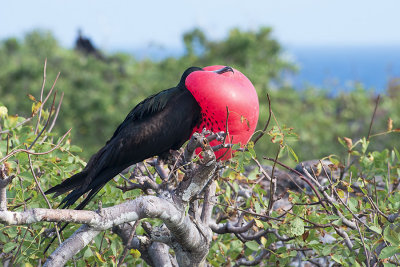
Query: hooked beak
{"points": [[223, 70]]}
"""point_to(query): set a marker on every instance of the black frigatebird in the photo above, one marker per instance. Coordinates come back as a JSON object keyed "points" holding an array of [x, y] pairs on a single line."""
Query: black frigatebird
{"points": [[159, 123]]}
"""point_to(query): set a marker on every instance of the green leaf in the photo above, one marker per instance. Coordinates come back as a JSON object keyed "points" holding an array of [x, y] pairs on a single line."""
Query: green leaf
{"points": [[296, 226], [364, 145], [114, 248], [88, 253], [388, 252], [293, 154], [397, 153], [9, 246], [250, 147], [235, 187], [333, 159], [340, 193], [337, 258], [342, 142], [253, 245], [353, 204], [293, 253], [257, 207], [75, 149], [338, 222], [235, 147], [376, 229], [327, 249], [35, 107], [391, 236]]}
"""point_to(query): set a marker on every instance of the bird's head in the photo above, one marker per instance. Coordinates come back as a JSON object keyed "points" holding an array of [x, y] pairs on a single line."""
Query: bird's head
{"points": [[190, 70], [187, 72]]}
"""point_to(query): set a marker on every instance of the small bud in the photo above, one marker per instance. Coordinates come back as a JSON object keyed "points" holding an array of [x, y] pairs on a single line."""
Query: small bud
{"points": [[31, 97], [349, 142], [389, 124]]}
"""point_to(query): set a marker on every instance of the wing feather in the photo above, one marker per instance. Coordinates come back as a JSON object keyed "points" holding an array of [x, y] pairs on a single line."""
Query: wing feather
{"points": [[151, 105]]}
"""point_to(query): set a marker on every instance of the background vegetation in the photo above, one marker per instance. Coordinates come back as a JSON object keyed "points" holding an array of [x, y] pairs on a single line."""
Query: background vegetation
{"points": [[99, 92]]}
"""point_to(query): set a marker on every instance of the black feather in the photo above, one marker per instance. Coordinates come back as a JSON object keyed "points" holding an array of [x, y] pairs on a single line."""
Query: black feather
{"points": [[159, 123]]}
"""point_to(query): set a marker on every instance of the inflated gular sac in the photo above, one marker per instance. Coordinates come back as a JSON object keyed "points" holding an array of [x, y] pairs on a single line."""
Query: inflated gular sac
{"points": [[216, 93]]}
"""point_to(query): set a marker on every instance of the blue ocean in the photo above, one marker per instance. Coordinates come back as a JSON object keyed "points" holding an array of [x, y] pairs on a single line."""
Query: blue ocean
{"points": [[339, 68]]}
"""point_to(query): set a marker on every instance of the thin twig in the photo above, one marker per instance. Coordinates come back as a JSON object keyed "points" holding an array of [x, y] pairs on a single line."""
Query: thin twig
{"points": [[149, 174], [261, 169], [51, 89], [310, 222], [226, 125], [373, 116], [19, 124], [102, 239], [43, 194], [246, 211], [36, 153], [37, 182], [363, 243], [125, 252], [41, 96], [19, 247], [301, 177], [272, 185], [269, 119], [45, 125], [226, 136], [55, 118]]}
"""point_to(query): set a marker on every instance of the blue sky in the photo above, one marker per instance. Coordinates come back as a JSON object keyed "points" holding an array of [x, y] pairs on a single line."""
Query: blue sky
{"points": [[131, 24]]}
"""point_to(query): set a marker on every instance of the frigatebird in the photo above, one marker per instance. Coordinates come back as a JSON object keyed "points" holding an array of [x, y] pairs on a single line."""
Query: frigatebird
{"points": [[159, 123]]}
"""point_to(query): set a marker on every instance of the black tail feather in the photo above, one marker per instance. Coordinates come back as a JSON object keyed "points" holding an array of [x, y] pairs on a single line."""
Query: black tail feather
{"points": [[69, 184]]}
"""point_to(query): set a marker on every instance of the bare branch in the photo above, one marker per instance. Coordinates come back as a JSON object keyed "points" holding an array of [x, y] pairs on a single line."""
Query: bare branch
{"points": [[4, 181], [345, 236], [181, 227], [208, 203], [75, 243], [144, 183], [229, 228], [257, 259], [264, 232], [160, 170], [198, 178]]}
